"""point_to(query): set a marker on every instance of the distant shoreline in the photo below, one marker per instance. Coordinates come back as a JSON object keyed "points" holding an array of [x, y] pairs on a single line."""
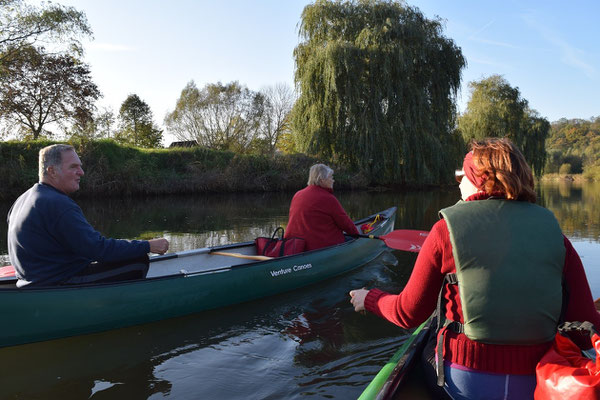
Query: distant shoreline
{"points": [[563, 177]]}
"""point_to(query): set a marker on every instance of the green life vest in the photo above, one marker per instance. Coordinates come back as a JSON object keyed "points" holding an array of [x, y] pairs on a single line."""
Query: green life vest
{"points": [[509, 258]]}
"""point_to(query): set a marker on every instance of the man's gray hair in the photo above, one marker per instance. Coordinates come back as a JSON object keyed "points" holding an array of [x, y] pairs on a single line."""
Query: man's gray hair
{"points": [[51, 156], [318, 173]]}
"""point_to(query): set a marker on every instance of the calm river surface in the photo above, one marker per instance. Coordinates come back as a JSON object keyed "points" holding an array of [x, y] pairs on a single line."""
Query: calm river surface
{"points": [[304, 344]]}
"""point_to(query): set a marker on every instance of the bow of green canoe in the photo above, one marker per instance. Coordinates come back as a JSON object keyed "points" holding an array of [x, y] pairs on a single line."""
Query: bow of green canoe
{"points": [[402, 376]]}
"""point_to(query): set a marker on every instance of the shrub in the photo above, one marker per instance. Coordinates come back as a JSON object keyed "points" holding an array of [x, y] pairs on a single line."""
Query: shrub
{"points": [[592, 173], [565, 169]]}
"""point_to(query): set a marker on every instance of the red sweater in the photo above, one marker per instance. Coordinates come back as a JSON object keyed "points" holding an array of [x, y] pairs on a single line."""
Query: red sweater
{"points": [[418, 300], [318, 217]]}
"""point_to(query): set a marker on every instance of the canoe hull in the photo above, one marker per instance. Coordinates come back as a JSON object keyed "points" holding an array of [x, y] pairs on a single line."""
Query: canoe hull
{"points": [[32, 315], [394, 380]]}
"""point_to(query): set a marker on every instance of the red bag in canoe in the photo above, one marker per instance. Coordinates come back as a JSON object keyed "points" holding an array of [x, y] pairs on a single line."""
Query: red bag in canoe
{"points": [[278, 247], [564, 373]]}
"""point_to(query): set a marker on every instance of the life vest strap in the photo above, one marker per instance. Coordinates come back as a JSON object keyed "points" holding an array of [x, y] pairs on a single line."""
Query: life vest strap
{"points": [[442, 325]]}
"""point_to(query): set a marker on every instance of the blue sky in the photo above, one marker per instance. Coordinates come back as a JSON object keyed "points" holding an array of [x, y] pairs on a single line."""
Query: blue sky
{"points": [[550, 49]]}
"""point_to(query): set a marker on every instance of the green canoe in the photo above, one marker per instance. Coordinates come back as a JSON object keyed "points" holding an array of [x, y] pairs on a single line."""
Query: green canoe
{"points": [[177, 284], [398, 378]]}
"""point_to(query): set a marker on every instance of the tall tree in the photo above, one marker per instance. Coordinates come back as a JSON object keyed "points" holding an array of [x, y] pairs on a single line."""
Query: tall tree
{"points": [[279, 100], [223, 117], [496, 109], [377, 83], [136, 125], [98, 126], [37, 89], [23, 25]]}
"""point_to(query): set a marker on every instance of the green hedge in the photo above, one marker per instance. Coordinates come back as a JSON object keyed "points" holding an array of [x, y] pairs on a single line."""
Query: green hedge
{"points": [[115, 170]]}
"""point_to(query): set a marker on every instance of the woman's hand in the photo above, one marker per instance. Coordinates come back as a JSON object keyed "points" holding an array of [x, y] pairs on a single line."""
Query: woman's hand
{"points": [[357, 298]]}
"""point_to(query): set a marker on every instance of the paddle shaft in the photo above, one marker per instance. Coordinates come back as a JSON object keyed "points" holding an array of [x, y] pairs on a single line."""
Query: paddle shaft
{"points": [[238, 255], [368, 236]]}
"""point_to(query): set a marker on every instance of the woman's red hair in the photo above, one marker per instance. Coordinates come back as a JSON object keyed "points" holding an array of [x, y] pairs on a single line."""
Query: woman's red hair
{"points": [[506, 169]]}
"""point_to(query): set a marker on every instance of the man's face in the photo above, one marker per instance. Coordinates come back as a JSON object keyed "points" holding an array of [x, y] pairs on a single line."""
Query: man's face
{"points": [[67, 177]]}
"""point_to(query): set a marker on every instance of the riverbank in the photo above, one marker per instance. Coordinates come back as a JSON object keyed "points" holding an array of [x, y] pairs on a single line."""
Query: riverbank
{"points": [[564, 177], [115, 170]]}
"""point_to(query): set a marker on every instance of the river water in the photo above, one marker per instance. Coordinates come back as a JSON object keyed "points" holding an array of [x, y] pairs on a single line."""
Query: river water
{"points": [[304, 344]]}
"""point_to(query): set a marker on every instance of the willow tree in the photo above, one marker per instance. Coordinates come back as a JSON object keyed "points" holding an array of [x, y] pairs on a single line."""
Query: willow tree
{"points": [[496, 109], [377, 83]]}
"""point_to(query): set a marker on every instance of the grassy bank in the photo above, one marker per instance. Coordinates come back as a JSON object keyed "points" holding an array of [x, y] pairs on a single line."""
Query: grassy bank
{"points": [[563, 177], [115, 170]]}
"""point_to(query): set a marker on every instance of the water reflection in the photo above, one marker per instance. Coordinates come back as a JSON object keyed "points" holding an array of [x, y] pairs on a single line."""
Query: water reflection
{"points": [[207, 220], [576, 206]]}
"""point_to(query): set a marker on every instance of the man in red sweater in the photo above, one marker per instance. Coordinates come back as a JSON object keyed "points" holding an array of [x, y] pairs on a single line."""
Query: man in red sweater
{"points": [[316, 215]]}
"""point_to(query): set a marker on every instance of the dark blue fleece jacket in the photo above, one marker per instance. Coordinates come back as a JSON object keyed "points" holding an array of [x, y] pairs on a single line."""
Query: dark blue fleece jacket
{"points": [[49, 239]]}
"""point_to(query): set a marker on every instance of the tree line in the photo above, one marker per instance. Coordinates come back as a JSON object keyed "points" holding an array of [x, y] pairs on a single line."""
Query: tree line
{"points": [[375, 90], [574, 147], [42, 90]]}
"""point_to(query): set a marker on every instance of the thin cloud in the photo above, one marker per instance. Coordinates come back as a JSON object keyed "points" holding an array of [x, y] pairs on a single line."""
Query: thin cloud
{"points": [[110, 47], [475, 37], [570, 55], [475, 60], [495, 43]]}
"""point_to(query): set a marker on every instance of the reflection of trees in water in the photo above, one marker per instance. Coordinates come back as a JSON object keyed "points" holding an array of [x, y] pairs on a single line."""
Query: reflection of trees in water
{"points": [[416, 209], [327, 329], [120, 362], [576, 206], [195, 221], [124, 361], [184, 214]]}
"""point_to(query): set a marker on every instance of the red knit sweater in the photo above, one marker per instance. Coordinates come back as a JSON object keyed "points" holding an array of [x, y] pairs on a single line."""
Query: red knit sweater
{"points": [[418, 300], [318, 217]]}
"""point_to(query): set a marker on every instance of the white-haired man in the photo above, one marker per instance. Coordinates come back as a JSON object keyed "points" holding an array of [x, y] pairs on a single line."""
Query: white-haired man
{"points": [[51, 243]]}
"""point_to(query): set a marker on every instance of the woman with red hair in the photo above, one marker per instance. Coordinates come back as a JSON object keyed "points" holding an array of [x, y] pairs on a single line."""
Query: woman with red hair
{"points": [[506, 276]]}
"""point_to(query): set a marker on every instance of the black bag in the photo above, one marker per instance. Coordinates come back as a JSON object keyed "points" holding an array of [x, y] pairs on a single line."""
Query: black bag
{"points": [[278, 247]]}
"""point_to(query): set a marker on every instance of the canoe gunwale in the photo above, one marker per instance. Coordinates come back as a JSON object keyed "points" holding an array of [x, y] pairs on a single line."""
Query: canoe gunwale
{"points": [[386, 384]]}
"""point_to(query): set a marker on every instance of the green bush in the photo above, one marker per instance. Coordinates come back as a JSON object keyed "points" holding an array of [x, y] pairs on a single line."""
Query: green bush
{"points": [[565, 169], [592, 173]]}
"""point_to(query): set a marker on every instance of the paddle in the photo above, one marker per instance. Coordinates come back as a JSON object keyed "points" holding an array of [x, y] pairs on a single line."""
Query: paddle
{"points": [[8, 271], [238, 255], [401, 239]]}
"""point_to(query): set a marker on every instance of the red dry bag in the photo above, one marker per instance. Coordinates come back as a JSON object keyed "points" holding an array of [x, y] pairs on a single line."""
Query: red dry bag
{"points": [[564, 373], [278, 247]]}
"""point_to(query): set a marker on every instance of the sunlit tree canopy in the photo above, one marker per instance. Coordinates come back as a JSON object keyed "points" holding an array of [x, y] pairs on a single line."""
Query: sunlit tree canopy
{"points": [[377, 83], [496, 109]]}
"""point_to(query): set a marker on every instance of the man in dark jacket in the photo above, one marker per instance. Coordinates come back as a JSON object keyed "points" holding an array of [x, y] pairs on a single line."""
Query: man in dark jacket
{"points": [[51, 243]]}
